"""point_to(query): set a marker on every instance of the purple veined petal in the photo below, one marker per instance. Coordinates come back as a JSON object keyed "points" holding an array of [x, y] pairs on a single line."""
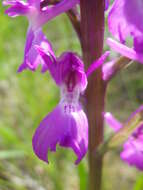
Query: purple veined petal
{"points": [[138, 44], [112, 122], [13, 2], [29, 39], [31, 57], [28, 45], [116, 21], [121, 20], [17, 8], [134, 20], [61, 67], [119, 24], [51, 62], [30, 9], [40, 16], [96, 64], [69, 130], [125, 51], [50, 13], [133, 153], [70, 64]]}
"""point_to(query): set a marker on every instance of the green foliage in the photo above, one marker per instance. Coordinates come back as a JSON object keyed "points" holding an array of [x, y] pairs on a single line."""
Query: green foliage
{"points": [[83, 176], [139, 183], [5, 154]]}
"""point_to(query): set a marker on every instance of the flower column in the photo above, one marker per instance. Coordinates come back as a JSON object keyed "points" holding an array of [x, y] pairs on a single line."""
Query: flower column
{"points": [[92, 28]]}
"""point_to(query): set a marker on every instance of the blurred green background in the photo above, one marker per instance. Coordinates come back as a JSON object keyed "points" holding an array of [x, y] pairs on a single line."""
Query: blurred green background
{"points": [[27, 97]]}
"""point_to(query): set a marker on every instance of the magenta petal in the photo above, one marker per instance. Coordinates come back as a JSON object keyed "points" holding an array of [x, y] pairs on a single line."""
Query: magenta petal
{"points": [[50, 61], [134, 20], [121, 20], [35, 15], [125, 20], [17, 8], [107, 70], [66, 129], [49, 13], [125, 51], [112, 121], [34, 2], [31, 57], [96, 64], [69, 62], [107, 2], [133, 152], [138, 44], [62, 66], [28, 45], [116, 21]]}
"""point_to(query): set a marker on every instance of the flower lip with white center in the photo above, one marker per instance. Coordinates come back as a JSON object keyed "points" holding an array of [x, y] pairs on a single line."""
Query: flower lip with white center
{"points": [[70, 100], [33, 16]]}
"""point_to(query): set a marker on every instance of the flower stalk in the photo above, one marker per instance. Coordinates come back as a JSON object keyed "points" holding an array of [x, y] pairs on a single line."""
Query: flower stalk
{"points": [[92, 30]]}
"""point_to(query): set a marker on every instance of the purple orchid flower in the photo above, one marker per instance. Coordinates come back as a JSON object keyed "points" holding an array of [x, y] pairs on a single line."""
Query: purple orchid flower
{"points": [[123, 23], [37, 18], [133, 148], [67, 124]]}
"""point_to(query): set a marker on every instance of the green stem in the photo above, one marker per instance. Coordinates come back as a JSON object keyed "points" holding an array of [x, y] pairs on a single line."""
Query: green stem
{"points": [[92, 31]]}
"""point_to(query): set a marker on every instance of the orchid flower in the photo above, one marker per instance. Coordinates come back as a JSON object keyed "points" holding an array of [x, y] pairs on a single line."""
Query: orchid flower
{"points": [[67, 124], [37, 18], [133, 148], [123, 23]]}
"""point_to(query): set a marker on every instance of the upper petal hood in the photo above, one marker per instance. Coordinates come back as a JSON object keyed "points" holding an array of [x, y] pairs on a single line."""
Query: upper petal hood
{"points": [[63, 66]]}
